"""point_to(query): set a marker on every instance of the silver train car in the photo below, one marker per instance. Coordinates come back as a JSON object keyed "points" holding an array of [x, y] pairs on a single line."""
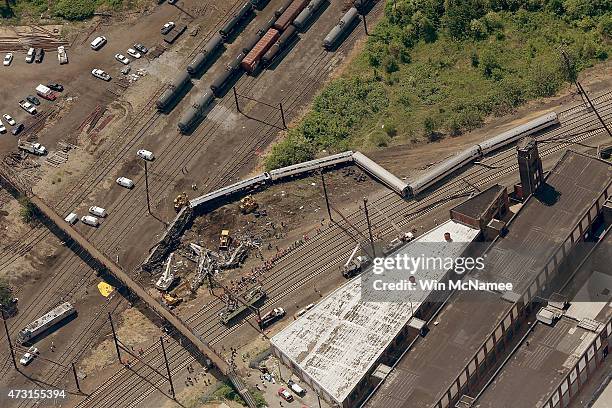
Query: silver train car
{"points": [[301, 21], [340, 29], [241, 187], [445, 168], [379, 173], [311, 165]]}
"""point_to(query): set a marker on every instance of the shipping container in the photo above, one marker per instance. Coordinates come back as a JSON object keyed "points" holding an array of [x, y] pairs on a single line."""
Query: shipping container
{"points": [[250, 62], [290, 14]]}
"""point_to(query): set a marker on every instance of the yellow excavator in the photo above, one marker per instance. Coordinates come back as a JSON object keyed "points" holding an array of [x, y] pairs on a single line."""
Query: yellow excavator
{"points": [[224, 240], [248, 204], [180, 201]]}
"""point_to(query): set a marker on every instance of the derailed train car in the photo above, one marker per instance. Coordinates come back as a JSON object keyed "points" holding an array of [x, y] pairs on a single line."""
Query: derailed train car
{"points": [[174, 90], [340, 29], [456, 162], [195, 112]]}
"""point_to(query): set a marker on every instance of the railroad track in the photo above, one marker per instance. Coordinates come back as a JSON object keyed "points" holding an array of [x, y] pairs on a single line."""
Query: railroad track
{"points": [[299, 281]]}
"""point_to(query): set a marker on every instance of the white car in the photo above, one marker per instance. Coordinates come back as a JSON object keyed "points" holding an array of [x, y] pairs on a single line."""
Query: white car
{"points": [[145, 154], [125, 182], [98, 43], [9, 119], [30, 55], [8, 58], [133, 53], [167, 27], [27, 106], [98, 73], [29, 356], [122, 59], [2, 128]]}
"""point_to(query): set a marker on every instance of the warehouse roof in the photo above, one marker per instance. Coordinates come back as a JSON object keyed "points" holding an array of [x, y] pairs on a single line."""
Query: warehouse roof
{"points": [[338, 341], [431, 366], [545, 220]]}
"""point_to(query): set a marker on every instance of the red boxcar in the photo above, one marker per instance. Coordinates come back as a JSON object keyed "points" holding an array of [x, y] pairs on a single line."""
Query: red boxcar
{"points": [[290, 14], [249, 63]]}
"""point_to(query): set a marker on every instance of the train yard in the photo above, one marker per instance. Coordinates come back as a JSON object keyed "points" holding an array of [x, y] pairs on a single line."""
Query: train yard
{"points": [[206, 115]]}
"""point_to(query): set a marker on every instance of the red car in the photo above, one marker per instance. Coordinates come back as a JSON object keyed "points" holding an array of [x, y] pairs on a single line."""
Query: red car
{"points": [[286, 395]]}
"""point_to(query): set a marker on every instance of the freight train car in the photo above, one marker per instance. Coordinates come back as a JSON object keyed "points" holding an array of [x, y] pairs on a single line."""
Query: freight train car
{"points": [[195, 112], [174, 90], [252, 59], [301, 21], [250, 43], [233, 22], [219, 84], [202, 58], [278, 46], [279, 11], [290, 14], [340, 29]]}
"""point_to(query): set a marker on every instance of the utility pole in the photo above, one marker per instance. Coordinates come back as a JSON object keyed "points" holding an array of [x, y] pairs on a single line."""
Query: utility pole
{"points": [[147, 186], [110, 319], [8, 338], [282, 112], [319, 399], [236, 99], [326, 197], [161, 340], [365, 24], [594, 109], [76, 378], [365, 207]]}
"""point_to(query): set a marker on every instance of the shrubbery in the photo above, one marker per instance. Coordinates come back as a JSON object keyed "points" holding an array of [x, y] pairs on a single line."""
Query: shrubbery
{"points": [[436, 67], [75, 9]]}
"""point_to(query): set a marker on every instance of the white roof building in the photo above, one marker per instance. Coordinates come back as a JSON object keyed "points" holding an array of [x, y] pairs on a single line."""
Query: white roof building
{"points": [[336, 345]]}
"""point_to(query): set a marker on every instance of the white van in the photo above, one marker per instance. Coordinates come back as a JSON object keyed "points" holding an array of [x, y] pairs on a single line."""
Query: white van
{"points": [[71, 218], [145, 154], [98, 43], [296, 388], [125, 182], [97, 211], [89, 220]]}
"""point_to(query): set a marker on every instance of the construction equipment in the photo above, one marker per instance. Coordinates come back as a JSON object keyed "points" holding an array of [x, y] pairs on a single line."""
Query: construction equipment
{"points": [[355, 266], [224, 240], [271, 316], [248, 205], [180, 201], [34, 148], [170, 300], [167, 278]]}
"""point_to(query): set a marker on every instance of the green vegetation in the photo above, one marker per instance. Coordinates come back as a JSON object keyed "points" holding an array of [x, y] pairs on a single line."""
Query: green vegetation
{"points": [[227, 392], [6, 294], [436, 68], [66, 9], [27, 211]]}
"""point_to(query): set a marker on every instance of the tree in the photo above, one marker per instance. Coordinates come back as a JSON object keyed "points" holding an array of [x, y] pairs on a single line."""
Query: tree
{"points": [[6, 294], [460, 13]]}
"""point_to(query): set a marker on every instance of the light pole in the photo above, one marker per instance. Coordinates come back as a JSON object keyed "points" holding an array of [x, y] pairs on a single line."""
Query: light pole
{"points": [[365, 207], [147, 186]]}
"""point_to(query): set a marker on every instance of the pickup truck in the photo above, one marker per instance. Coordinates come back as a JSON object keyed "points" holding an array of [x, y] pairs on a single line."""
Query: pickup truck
{"points": [[62, 55], [27, 106], [34, 148]]}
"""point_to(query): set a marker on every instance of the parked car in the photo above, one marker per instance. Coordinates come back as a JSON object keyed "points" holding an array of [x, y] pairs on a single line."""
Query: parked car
{"points": [[125, 182], [122, 59], [98, 43], [145, 154], [55, 86], [286, 395], [30, 55], [71, 218], [97, 211], [8, 58], [167, 27], [98, 73], [17, 129], [295, 387], [33, 99], [40, 54], [62, 55], [29, 356], [9, 119], [141, 48], [2, 128], [133, 53], [172, 1], [27, 106]]}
